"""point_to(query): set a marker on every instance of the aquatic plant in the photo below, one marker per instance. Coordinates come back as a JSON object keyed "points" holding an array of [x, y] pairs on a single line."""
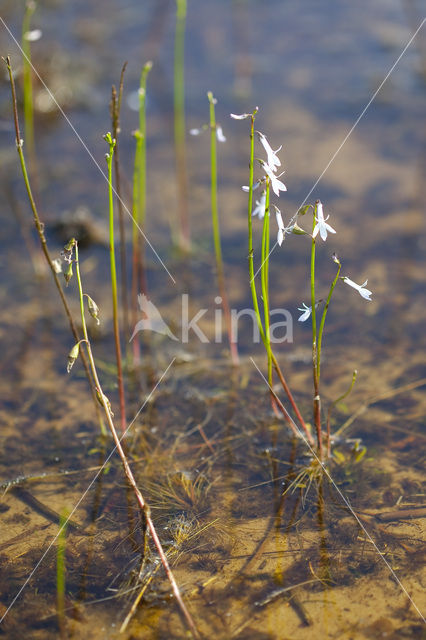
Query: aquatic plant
{"points": [[71, 257], [320, 229]]}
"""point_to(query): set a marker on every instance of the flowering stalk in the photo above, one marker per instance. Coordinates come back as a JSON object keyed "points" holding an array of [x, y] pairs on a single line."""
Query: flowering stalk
{"points": [[40, 231], [317, 398], [250, 229], [115, 108], [111, 143], [184, 240], [254, 292], [216, 229], [139, 204], [127, 470]]}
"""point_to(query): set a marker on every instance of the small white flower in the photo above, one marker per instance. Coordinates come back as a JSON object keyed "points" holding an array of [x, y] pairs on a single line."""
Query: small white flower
{"points": [[363, 292], [247, 189], [33, 36], [259, 209], [276, 184], [241, 116], [281, 227], [273, 159], [219, 134], [195, 132], [306, 312], [321, 224]]}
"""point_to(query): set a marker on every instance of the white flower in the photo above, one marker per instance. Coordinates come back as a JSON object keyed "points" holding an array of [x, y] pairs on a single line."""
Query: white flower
{"points": [[247, 189], [306, 312], [321, 224], [273, 159], [241, 116], [219, 134], [281, 227], [33, 36], [363, 292], [276, 184], [259, 210], [195, 132]]}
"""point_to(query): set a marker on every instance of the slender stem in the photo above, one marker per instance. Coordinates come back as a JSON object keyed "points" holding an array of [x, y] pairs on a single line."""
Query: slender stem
{"points": [[323, 317], [317, 397], [264, 276], [115, 121], [179, 126], [216, 230], [139, 284], [40, 231], [109, 156], [250, 231], [127, 470]]}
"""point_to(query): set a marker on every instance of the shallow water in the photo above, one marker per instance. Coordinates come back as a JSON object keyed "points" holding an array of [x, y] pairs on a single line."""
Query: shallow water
{"points": [[259, 551]]}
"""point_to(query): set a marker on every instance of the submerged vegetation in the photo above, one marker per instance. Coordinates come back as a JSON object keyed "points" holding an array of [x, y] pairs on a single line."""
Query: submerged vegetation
{"points": [[234, 479]]}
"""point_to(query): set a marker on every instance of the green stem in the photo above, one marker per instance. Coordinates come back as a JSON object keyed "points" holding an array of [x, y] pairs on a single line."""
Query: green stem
{"points": [[264, 277], [324, 314], [216, 230], [139, 284], [250, 232], [115, 121], [179, 125], [109, 156], [317, 398]]}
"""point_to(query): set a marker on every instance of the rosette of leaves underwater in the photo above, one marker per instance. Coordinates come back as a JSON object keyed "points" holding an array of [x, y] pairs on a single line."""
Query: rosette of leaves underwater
{"points": [[269, 180]]}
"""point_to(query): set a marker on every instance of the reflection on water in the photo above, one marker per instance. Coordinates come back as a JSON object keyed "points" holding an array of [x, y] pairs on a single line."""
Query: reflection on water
{"points": [[257, 545]]}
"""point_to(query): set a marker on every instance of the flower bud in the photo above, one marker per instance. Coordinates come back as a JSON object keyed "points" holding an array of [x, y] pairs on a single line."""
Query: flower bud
{"points": [[102, 397], [68, 273], [93, 309], [298, 230], [72, 356]]}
